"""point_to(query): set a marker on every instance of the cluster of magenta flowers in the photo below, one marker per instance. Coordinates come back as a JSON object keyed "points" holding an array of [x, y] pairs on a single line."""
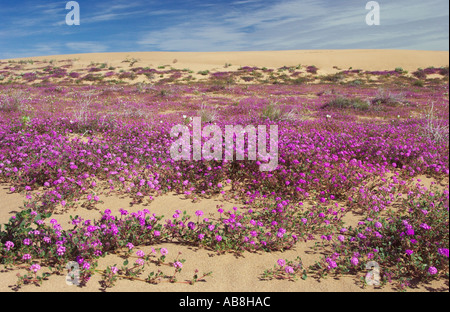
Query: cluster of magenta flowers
{"points": [[266, 226], [286, 270], [332, 162], [406, 245], [30, 238], [62, 72], [326, 157], [113, 273]]}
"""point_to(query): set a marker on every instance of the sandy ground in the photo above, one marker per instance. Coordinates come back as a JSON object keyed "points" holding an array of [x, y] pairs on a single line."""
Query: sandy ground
{"points": [[230, 274], [328, 61]]}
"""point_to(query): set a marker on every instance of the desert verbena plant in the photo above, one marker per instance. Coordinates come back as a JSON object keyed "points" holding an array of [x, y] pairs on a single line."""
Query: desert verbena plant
{"points": [[444, 71], [435, 129], [312, 69], [207, 114], [420, 74]]}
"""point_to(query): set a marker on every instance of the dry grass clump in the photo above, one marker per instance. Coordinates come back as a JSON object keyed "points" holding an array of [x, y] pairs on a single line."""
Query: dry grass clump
{"points": [[435, 129]]}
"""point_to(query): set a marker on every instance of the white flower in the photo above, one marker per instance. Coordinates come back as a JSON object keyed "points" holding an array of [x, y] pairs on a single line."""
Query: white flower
{"points": [[184, 116]]}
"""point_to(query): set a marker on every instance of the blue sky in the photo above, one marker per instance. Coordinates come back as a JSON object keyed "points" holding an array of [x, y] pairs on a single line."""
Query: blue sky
{"points": [[38, 28]]}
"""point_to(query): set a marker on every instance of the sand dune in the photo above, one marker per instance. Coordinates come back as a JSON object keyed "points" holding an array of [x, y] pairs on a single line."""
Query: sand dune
{"points": [[325, 60]]}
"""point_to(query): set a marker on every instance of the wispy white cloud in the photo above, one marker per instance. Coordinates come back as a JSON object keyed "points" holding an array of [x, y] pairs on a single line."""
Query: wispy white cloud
{"points": [[31, 20], [120, 10], [107, 11], [198, 25], [244, 2], [294, 24], [106, 17]]}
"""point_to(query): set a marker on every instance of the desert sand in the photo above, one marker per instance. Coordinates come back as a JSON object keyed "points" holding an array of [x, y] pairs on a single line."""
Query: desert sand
{"points": [[230, 274], [325, 60]]}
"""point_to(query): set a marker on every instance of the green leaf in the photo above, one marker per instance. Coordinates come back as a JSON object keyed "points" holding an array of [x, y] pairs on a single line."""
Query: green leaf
{"points": [[125, 262]]}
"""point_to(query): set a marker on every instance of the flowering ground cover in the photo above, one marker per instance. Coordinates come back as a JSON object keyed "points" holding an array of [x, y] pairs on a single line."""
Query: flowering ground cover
{"points": [[347, 144]]}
